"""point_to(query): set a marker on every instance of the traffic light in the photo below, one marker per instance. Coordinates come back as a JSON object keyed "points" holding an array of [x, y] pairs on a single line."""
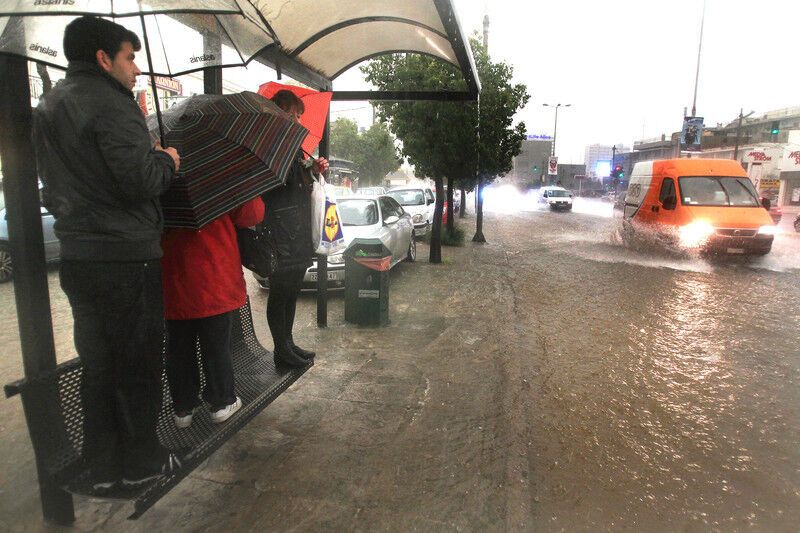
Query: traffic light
{"points": [[775, 128], [618, 172]]}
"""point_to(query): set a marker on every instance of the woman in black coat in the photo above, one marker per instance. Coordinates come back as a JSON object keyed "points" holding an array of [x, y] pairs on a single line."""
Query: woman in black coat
{"points": [[288, 218]]}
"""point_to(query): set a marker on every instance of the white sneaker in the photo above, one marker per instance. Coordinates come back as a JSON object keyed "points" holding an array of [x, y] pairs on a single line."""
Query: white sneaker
{"points": [[184, 421], [226, 412]]}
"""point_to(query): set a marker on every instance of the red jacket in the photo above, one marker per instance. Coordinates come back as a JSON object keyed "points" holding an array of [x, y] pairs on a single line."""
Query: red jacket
{"points": [[202, 271]]}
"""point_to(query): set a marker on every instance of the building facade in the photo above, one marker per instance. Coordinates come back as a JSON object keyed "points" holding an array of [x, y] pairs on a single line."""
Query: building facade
{"points": [[597, 159], [531, 164]]}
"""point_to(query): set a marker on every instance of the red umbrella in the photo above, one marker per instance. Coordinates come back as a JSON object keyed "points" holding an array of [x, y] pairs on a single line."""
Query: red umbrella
{"points": [[316, 113]]}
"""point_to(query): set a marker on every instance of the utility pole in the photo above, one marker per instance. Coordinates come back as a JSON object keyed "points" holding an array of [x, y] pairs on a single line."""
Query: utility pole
{"points": [[555, 125], [699, 50], [613, 160], [738, 130]]}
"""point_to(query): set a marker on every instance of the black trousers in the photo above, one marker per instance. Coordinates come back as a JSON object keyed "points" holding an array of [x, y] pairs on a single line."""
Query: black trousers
{"points": [[118, 312], [284, 288], [214, 334]]}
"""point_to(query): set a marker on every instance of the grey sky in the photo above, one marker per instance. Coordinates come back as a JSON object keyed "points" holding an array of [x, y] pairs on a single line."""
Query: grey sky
{"points": [[627, 66]]}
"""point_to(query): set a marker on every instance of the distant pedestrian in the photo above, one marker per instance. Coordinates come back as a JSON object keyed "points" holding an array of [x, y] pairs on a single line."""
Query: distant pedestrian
{"points": [[203, 288], [288, 218], [102, 180]]}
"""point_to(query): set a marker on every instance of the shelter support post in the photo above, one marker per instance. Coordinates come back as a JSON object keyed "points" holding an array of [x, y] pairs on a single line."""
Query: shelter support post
{"points": [[322, 260], [30, 274], [212, 77]]}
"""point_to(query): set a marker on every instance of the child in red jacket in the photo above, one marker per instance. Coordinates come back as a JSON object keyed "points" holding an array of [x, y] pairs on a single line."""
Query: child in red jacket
{"points": [[203, 287]]}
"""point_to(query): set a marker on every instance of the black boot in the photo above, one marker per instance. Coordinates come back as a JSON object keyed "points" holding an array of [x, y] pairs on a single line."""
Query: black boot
{"points": [[305, 354], [286, 356]]}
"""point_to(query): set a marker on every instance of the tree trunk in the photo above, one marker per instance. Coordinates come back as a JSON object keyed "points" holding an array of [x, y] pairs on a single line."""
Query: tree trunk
{"points": [[463, 210], [450, 218], [479, 211], [436, 231]]}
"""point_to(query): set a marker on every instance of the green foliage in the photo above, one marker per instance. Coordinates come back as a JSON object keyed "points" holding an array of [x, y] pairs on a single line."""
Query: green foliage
{"points": [[454, 238], [440, 138], [373, 152]]}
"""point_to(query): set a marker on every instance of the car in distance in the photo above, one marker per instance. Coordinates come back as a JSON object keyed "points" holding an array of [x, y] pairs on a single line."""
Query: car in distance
{"points": [[373, 217], [52, 247], [419, 203], [557, 198]]}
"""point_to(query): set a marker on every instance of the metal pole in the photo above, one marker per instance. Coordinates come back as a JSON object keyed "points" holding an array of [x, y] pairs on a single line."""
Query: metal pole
{"points": [[613, 173], [212, 77], [555, 130], [30, 278], [738, 129], [699, 49], [322, 260]]}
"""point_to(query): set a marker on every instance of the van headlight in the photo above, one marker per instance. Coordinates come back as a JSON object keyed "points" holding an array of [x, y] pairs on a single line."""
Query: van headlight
{"points": [[417, 218], [336, 259], [768, 230], [696, 233]]}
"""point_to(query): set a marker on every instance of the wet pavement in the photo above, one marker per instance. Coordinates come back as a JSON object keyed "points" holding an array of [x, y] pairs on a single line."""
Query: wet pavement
{"points": [[547, 380]]}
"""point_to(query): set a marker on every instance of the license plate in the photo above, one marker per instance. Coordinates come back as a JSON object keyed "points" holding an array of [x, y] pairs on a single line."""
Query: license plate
{"points": [[332, 276], [735, 250]]}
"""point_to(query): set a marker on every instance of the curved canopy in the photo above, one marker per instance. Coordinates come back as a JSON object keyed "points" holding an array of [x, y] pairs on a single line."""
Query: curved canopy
{"points": [[330, 36]]}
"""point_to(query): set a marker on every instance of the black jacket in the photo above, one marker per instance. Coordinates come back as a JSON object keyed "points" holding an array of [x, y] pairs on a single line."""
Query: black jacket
{"points": [[102, 179], [288, 218]]}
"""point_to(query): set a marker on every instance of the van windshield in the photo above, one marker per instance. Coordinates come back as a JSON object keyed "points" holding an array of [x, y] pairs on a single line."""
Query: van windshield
{"points": [[557, 193], [408, 197], [719, 191]]}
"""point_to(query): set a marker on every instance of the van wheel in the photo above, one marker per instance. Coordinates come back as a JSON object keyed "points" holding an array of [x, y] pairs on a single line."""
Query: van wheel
{"points": [[6, 268], [411, 256]]}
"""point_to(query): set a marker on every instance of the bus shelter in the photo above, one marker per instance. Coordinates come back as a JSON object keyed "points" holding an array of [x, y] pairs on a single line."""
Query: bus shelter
{"points": [[317, 41]]}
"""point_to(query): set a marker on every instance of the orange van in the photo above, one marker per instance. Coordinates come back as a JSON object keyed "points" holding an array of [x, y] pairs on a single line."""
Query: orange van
{"points": [[708, 205]]}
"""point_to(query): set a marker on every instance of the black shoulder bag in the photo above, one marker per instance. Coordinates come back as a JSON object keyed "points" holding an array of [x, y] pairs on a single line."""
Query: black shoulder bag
{"points": [[256, 250]]}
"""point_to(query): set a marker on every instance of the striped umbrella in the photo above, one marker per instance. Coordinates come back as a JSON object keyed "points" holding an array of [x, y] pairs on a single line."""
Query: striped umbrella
{"points": [[233, 148]]}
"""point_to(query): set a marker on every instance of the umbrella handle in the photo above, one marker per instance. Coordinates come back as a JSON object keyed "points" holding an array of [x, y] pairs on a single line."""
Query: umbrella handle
{"points": [[153, 82]]}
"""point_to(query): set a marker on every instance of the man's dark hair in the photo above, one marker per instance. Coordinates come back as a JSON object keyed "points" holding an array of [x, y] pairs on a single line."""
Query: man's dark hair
{"points": [[84, 36], [287, 100]]}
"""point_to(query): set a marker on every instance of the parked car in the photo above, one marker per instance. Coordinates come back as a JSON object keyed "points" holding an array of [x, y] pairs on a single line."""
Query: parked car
{"points": [[373, 217], [797, 224], [371, 191], [52, 247], [419, 203], [557, 198]]}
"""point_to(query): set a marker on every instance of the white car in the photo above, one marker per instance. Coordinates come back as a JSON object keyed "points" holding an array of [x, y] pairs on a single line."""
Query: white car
{"points": [[371, 191], [366, 217], [557, 198], [419, 203]]}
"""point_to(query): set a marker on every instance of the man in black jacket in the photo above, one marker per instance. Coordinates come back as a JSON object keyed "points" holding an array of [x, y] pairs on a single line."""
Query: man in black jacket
{"points": [[102, 180]]}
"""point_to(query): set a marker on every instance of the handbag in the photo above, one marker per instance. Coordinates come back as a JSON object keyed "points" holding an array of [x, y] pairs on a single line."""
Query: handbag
{"points": [[256, 250]]}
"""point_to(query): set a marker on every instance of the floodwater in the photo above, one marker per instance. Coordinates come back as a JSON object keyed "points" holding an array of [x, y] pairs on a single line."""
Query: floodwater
{"points": [[669, 388]]}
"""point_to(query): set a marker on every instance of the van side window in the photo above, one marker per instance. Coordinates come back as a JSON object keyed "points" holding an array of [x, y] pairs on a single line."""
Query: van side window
{"points": [[667, 196]]}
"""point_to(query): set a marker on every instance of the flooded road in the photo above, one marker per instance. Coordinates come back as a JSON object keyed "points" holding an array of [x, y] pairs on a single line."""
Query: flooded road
{"points": [[548, 380], [667, 394]]}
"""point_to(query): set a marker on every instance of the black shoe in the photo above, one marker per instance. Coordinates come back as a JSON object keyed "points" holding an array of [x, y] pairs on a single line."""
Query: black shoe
{"points": [[305, 354], [287, 356]]}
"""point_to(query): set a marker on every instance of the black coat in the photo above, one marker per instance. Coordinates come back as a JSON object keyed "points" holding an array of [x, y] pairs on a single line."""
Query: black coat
{"points": [[102, 179], [288, 218]]}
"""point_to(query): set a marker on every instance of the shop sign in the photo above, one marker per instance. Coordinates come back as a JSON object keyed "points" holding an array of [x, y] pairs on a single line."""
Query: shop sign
{"points": [[796, 156], [759, 156], [168, 84]]}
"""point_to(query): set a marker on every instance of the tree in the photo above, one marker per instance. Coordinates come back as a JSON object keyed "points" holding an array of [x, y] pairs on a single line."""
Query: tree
{"points": [[373, 152], [377, 155], [441, 138]]}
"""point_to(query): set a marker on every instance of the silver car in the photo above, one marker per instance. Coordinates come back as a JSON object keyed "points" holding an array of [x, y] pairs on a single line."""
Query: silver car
{"points": [[52, 248], [366, 217]]}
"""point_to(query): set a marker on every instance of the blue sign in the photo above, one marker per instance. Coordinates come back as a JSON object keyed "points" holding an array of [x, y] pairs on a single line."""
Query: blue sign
{"points": [[539, 138]]}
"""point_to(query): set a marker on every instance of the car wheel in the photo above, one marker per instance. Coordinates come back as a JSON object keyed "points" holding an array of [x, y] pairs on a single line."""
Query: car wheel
{"points": [[411, 256], [6, 269]]}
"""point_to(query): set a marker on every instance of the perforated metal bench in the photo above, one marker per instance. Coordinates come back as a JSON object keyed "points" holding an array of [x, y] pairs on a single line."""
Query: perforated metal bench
{"points": [[54, 414]]}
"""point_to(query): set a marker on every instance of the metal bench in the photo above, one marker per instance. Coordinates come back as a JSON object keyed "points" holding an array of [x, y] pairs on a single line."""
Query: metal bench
{"points": [[54, 414]]}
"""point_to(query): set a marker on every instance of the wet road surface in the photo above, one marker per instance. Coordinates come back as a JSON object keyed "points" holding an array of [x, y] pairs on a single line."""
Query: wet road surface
{"points": [[547, 380]]}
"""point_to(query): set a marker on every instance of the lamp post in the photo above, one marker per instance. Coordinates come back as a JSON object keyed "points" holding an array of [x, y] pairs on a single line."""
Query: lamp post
{"points": [[555, 125], [738, 130]]}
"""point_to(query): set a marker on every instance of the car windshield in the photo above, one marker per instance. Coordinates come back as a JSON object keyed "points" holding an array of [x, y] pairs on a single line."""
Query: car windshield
{"points": [[410, 197], [557, 193], [719, 191], [358, 212]]}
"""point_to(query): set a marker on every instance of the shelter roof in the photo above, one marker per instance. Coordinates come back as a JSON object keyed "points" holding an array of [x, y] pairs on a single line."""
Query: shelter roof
{"points": [[327, 37]]}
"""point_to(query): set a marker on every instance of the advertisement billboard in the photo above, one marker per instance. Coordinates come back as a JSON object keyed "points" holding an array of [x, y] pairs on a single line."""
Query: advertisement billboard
{"points": [[691, 134]]}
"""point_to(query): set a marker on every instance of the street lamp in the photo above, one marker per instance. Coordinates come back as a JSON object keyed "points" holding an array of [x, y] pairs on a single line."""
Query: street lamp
{"points": [[555, 126]]}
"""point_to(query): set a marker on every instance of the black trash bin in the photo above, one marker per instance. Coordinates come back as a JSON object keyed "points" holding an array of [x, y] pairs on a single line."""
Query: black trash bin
{"points": [[366, 282]]}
